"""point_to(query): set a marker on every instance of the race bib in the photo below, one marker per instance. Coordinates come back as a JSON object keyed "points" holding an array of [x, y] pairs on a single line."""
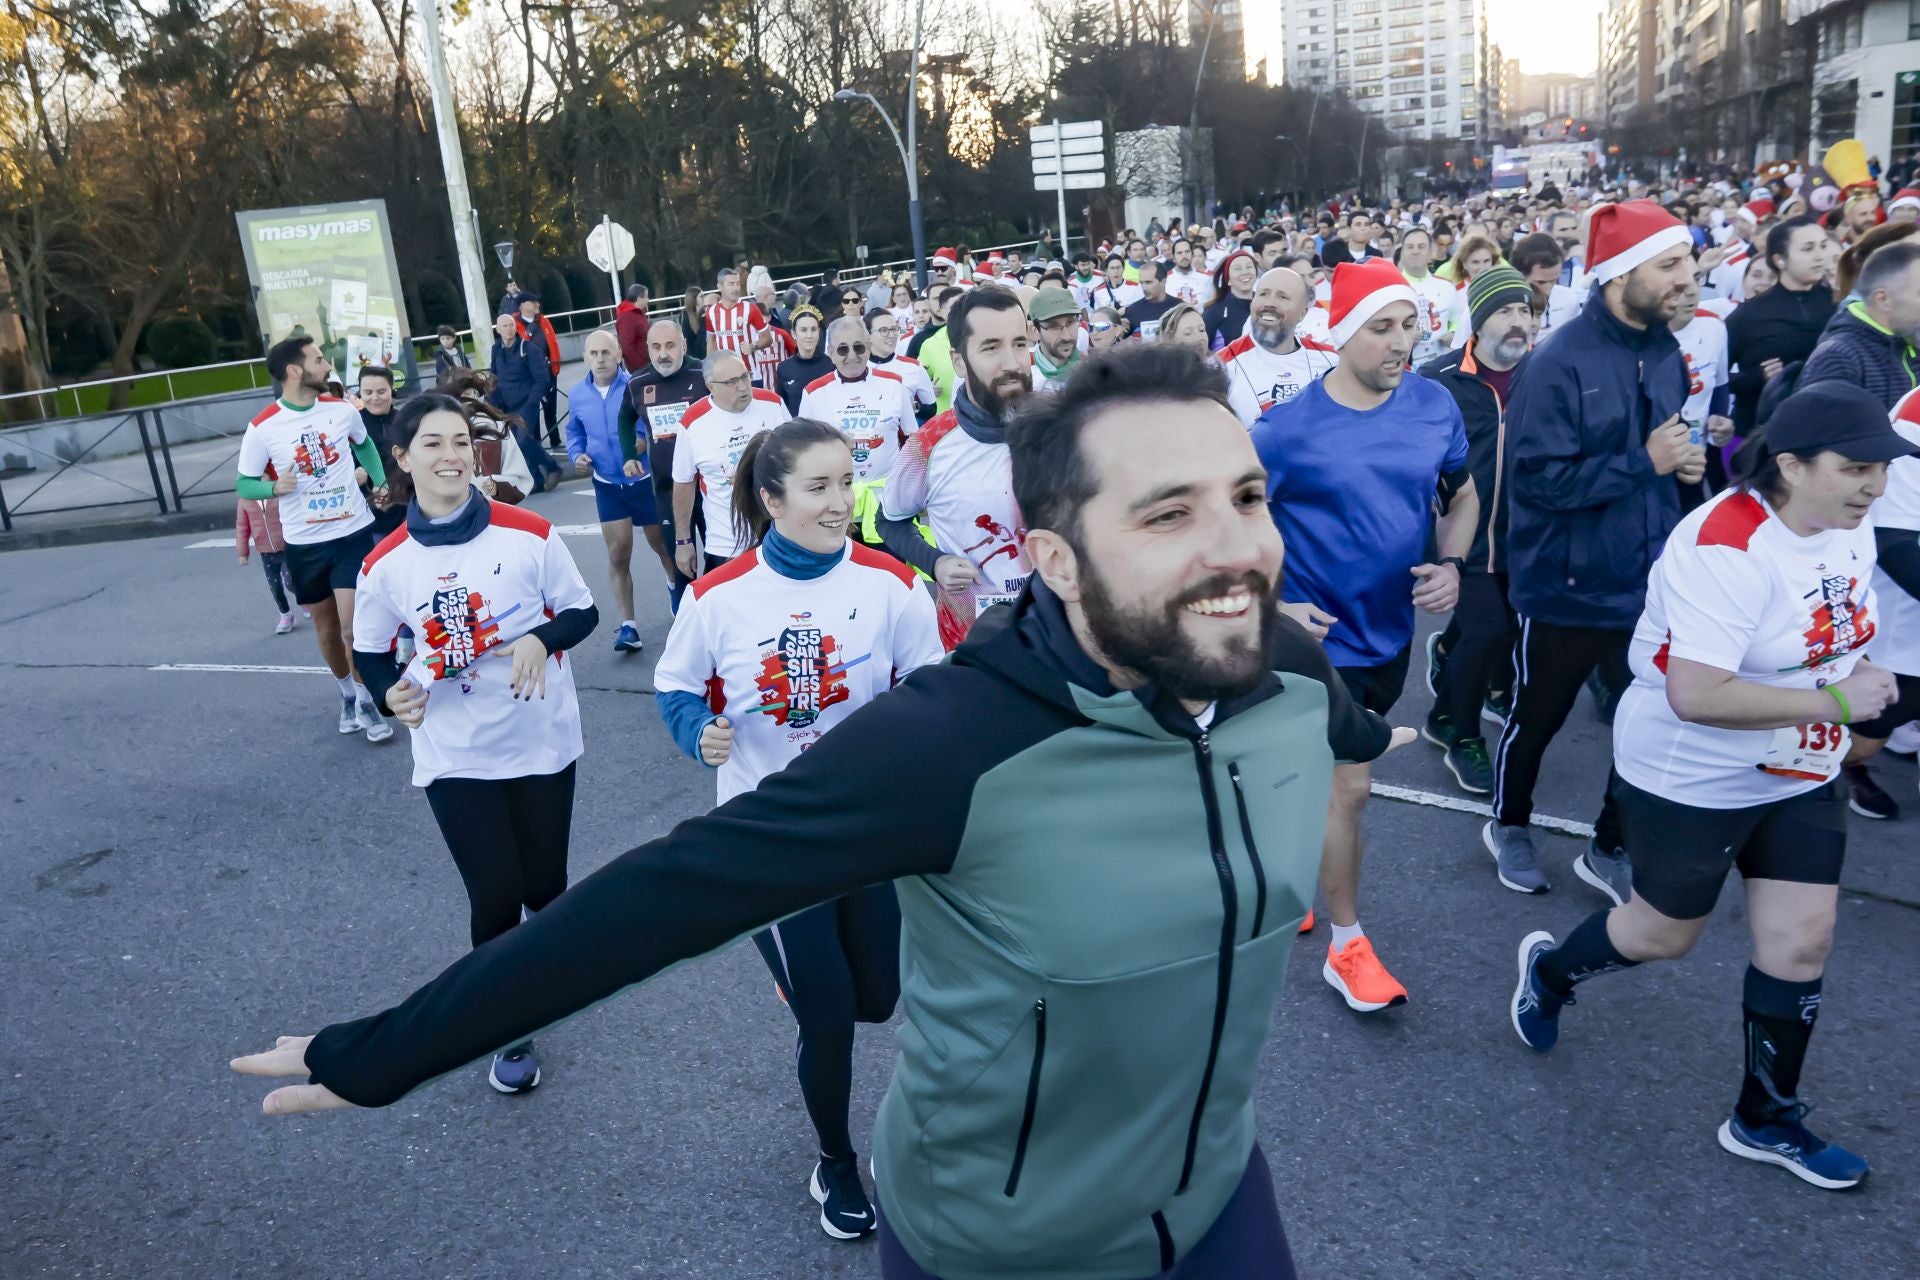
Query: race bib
{"points": [[1149, 331], [663, 420], [329, 501], [1006, 593], [1811, 752]]}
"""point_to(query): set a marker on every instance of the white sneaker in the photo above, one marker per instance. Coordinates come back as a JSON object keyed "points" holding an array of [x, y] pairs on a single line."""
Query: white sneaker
{"points": [[1905, 740], [283, 626], [378, 730]]}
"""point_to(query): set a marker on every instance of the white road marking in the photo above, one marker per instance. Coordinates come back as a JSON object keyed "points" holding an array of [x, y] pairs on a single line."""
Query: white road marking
{"points": [[207, 544], [243, 667], [577, 530], [1434, 800]]}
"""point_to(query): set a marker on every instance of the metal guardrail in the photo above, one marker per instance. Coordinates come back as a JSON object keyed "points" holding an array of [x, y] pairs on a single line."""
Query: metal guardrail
{"points": [[257, 379]]}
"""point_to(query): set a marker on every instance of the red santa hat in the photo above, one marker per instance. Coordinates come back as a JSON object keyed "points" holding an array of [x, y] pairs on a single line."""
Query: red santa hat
{"points": [[1621, 237], [1758, 209], [1904, 198], [946, 255], [1360, 290]]}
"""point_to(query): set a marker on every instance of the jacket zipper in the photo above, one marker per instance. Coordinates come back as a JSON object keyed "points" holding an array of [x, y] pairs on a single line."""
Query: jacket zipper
{"points": [[1229, 902], [1033, 1094], [1253, 852], [1499, 475]]}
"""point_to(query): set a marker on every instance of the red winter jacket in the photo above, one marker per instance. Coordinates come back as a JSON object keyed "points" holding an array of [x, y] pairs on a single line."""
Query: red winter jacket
{"points": [[630, 326]]}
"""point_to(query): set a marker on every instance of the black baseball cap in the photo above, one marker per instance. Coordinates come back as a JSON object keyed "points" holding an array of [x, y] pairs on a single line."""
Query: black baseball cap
{"points": [[1836, 417]]}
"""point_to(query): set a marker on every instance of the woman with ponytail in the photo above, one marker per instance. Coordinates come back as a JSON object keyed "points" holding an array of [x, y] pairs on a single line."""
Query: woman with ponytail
{"points": [[769, 651]]}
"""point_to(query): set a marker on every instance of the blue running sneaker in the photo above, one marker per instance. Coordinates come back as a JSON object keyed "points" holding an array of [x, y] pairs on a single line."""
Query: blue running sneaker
{"points": [[1536, 1010], [515, 1070], [627, 640], [1791, 1145]]}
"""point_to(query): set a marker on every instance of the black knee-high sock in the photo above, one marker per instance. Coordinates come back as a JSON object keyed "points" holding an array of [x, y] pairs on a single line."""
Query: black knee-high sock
{"points": [[1587, 953], [1779, 1023]]}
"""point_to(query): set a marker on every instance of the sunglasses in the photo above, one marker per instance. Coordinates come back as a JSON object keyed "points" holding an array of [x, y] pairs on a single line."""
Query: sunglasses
{"points": [[857, 349], [1101, 326], [850, 297]]}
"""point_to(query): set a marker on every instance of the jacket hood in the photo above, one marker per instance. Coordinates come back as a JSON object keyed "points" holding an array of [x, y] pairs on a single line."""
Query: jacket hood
{"points": [[1032, 645]]}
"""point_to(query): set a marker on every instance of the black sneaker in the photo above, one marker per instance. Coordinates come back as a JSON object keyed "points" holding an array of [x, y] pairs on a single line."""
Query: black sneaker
{"points": [[1472, 768], [845, 1211], [1439, 729], [1497, 707], [1865, 797], [515, 1070]]}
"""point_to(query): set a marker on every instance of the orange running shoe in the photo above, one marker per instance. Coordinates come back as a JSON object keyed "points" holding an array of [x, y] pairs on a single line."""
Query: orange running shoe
{"points": [[1306, 926], [1362, 981]]}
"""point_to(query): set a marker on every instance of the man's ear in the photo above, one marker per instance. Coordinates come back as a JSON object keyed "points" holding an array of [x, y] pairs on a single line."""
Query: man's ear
{"points": [[1054, 559]]}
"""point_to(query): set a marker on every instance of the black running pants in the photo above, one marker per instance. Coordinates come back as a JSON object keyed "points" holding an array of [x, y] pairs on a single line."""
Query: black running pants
{"points": [[1478, 644], [509, 838], [836, 964], [1551, 664]]}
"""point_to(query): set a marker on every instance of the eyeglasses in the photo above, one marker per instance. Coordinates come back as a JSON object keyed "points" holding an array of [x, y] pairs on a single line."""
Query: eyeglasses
{"points": [[1101, 326], [739, 380], [850, 297], [857, 349]]}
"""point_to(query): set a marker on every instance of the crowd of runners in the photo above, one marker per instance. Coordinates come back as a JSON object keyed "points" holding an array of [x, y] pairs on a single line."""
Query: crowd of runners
{"points": [[1111, 562]]}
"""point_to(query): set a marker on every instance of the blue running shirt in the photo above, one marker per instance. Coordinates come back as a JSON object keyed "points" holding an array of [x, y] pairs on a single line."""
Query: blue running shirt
{"points": [[1353, 494]]}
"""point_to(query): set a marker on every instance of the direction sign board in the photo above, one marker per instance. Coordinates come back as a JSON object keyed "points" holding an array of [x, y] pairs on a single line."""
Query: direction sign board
{"points": [[609, 247], [1046, 167], [1068, 129], [1072, 181], [1069, 147]]}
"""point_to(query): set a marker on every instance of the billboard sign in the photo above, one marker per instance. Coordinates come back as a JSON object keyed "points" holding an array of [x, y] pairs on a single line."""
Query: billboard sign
{"points": [[328, 270]]}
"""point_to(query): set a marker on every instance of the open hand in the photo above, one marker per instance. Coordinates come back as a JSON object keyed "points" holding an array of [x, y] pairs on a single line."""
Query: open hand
{"points": [[288, 1057], [529, 668]]}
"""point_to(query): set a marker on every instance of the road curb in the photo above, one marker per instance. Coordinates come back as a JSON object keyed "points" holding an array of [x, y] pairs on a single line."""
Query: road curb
{"points": [[76, 535]]}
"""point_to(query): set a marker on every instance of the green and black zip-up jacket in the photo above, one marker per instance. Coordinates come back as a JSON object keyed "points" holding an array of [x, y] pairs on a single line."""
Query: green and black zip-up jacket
{"points": [[1098, 901]]}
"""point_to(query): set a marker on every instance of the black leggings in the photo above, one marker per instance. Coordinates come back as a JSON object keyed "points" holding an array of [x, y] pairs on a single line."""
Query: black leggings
{"points": [[509, 838], [836, 964], [274, 564], [1551, 664], [1478, 644]]}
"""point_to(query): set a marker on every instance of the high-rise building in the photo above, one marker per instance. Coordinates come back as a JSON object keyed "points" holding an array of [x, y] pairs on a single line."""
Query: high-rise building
{"points": [[1420, 66], [1866, 77], [1227, 46]]}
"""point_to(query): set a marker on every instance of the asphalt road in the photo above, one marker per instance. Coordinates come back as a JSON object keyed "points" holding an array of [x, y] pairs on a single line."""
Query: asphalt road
{"points": [[193, 862]]}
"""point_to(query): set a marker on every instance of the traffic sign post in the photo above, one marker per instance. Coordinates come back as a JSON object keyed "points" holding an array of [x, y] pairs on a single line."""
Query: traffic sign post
{"points": [[1068, 157], [610, 248]]}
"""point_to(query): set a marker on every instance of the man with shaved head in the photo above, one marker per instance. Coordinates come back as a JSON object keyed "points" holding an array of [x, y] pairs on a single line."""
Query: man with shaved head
{"points": [[657, 398], [1269, 364], [871, 406], [594, 408]]}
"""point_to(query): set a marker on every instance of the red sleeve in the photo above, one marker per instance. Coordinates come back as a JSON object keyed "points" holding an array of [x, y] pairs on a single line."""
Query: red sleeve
{"points": [[754, 319]]}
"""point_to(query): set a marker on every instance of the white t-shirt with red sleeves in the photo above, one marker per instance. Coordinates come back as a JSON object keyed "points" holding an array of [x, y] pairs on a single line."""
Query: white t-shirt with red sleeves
{"points": [[466, 605], [1728, 281], [1258, 379], [315, 446], [1737, 590], [1703, 343], [708, 453], [875, 412], [1898, 648], [913, 373], [785, 660], [733, 328], [1190, 287], [963, 489]]}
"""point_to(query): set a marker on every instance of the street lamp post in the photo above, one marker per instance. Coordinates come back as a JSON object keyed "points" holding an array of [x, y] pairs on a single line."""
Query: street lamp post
{"points": [[909, 151]]}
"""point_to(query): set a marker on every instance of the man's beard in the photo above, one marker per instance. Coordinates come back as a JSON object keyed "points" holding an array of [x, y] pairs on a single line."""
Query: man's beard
{"points": [[1649, 309], [313, 383], [1272, 337], [1153, 644], [998, 403], [1510, 348]]}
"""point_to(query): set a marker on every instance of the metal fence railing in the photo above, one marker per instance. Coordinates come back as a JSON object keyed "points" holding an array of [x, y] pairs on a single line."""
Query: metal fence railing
{"points": [[170, 386]]}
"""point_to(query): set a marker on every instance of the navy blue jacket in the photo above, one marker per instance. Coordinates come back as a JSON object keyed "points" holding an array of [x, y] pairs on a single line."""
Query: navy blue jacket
{"points": [[523, 377], [1587, 514], [1856, 350]]}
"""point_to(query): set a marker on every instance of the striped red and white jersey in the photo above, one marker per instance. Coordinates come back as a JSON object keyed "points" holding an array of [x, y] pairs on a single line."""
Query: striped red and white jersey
{"points": [[733, 328], [763, 362]]}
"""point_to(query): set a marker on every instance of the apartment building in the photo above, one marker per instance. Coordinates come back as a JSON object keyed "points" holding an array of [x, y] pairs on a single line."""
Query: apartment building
{"points": [[1419, 66], [1866, 77]]}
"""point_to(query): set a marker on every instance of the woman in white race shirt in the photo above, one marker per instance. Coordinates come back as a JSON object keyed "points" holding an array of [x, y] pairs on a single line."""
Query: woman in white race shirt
{"points": [[768, 652], [1748, 666], [492, 597]]}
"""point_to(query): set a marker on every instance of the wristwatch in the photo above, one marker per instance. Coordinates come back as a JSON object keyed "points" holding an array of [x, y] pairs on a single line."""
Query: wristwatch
{"points": [[683, 542], [1458, 563]]}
